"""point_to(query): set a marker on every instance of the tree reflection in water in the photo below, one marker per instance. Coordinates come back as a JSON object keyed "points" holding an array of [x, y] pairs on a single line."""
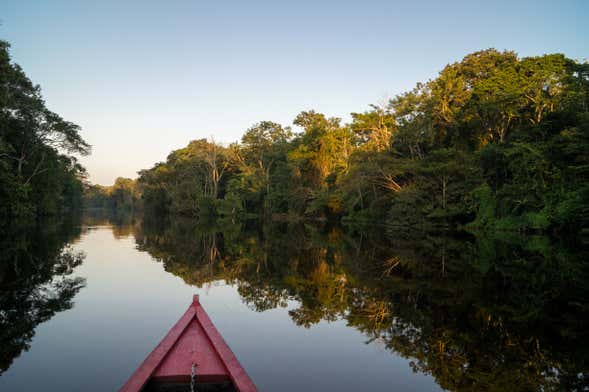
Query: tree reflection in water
{"points": [[35, 282], [477, 313]]}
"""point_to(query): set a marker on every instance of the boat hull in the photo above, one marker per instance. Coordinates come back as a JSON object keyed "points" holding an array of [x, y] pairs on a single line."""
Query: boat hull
{"points": [[193, 340]]}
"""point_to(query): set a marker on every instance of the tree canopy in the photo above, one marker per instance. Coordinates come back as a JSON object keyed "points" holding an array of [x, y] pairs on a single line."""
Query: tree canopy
{"points": [[39, 172], [493, 141]]}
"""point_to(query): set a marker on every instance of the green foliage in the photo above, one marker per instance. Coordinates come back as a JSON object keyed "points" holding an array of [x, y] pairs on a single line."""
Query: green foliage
{"points": [[493, 142], [39, 175], [123, 195], [190, 181], [373, 129], [485, 214]]}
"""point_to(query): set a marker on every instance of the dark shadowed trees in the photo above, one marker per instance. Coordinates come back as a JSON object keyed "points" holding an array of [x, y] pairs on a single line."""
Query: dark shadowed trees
{"points": [[39, 174]]}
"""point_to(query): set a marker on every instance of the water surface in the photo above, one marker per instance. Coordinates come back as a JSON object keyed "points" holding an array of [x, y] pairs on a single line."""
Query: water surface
{"points": [[303, 307]]}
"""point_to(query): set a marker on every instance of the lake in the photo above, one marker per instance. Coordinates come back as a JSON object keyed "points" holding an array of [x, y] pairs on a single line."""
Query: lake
{"points": [[305, 307]]}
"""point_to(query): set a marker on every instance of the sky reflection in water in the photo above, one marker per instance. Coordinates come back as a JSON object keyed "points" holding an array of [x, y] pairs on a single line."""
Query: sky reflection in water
{"points": [[129, 302]]}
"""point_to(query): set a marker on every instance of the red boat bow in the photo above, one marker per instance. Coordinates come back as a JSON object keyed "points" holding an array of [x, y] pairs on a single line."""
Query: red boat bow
{"points": [[193, 340]]}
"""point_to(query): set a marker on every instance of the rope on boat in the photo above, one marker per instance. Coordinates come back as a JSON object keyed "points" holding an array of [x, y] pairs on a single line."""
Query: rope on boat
{"points": [[193, 370], [193, 378]]}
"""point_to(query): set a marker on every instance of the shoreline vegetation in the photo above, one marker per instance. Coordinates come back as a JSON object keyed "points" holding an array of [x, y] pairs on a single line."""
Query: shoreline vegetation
{"points": [[494, 146], [39, 171], [495, 142]]}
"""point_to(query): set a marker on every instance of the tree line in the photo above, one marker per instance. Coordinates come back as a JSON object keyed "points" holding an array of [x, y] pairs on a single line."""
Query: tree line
{"points": [[39, 171], [493, 141], [123, 196]]}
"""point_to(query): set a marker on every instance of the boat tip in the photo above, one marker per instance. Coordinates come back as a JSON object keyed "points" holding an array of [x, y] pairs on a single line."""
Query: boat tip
{"points": [[195, 300]]}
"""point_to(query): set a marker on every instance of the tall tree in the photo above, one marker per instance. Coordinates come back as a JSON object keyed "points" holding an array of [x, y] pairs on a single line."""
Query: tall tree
{"points": [[36, 145]]}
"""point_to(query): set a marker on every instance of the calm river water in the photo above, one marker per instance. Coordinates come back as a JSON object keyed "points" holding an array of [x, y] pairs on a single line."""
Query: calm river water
{"points": [[304, 308]]}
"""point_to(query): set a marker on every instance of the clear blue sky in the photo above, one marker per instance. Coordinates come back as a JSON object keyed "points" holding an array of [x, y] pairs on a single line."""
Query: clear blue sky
{"points": [[145, 77]]}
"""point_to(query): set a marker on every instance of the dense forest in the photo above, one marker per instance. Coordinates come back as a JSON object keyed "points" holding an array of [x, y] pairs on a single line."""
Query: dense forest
{"points": [[123, 195], [494, 141], [39, 172]]}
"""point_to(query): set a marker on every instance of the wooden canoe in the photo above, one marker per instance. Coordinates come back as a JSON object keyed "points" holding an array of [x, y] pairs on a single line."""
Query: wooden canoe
{"points": [[193, 340]]}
